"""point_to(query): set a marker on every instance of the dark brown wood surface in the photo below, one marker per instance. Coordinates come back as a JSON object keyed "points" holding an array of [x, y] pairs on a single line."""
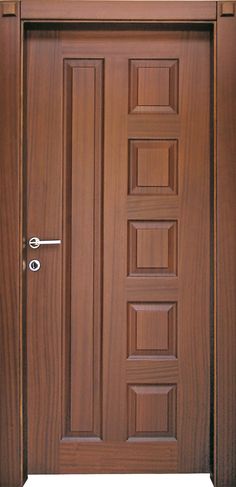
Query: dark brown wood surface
{"points": [[118, 10], [225, 333], [12, 465], [122, 338], [83, 109], [44, 219], [13, 458]]}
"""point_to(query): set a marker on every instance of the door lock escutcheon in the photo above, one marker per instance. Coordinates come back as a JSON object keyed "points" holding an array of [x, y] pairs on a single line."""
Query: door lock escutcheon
{"points": [[34, 265]]}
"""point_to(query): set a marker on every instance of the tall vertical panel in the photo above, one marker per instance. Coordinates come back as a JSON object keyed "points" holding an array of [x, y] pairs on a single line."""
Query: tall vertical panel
{"points": [[225, 398], [12, 473], [83, 92]]}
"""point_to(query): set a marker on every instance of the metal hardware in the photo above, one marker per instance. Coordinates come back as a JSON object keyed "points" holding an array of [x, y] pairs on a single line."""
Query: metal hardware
{"points": [[35, 242], [34, 265]]}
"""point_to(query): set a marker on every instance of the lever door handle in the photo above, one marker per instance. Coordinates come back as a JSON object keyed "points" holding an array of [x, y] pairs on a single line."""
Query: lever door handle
{"points": [[35, 242]]}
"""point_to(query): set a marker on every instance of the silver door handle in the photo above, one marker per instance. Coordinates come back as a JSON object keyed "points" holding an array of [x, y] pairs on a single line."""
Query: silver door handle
{"points": [[35, 242]]}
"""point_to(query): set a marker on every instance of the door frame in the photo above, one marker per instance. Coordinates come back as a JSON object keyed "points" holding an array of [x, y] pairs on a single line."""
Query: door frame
{"points": [[13, 15]]}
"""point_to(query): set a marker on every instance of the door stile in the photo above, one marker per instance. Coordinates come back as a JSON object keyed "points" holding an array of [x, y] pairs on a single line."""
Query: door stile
{"points": [[115, 236]]}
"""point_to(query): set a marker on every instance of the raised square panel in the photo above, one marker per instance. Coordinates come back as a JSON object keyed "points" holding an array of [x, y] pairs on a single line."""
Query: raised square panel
{"points": [[153, 167], [153, 248], [152, 411], [153, 85], [152, 329]]}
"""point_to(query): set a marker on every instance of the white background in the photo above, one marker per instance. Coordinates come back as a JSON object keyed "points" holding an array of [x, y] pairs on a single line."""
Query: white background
{"points": [[150, 480]]}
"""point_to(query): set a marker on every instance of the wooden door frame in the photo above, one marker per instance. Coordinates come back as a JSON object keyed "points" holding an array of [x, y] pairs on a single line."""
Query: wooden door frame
{"points": [[13, 14]]}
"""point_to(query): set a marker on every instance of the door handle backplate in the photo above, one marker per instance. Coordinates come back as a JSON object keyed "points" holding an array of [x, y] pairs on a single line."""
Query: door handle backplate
{"points": [[35, 242]]}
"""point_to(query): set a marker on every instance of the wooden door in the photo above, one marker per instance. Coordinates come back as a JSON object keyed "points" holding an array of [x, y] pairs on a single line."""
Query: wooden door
{"points": [[118, 316]]}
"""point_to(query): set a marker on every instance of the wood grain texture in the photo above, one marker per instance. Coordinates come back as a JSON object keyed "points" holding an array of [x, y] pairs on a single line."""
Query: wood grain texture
{"points": [[151, 412], [83, 109], [153, 86], [142, 126], [109, 457], [114, 10], [12, 463], [153, 248], [225, 333], [152, 329], [165, 238], [194, 315], [44, 219], [149, 370], [115, 249], [82, 245], [153, 167]]}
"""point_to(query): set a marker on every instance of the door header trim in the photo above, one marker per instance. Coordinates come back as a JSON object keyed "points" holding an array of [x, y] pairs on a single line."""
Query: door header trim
{"points": [[114, 10]]}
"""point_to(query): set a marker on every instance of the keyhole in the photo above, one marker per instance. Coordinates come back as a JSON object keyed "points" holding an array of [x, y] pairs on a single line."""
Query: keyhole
{"points": [[34, 265]]}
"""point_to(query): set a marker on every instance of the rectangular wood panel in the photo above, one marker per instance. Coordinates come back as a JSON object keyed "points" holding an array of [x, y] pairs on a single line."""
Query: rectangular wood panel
{"points": [[153, 248], [12, 457], [152, 329], [83, 112], [153, 167], [154, 86], [152, 412]]}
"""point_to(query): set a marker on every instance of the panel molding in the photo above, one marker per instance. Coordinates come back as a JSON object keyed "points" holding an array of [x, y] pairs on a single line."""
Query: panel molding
{"points": [[151, 412], [153, 86], [153, 167], [152, 248], [83, 97], [152, 329]]}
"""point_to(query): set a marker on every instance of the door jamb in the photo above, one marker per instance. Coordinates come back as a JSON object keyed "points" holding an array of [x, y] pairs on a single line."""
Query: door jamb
{"points": [[225, 256], [13, 470]]}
